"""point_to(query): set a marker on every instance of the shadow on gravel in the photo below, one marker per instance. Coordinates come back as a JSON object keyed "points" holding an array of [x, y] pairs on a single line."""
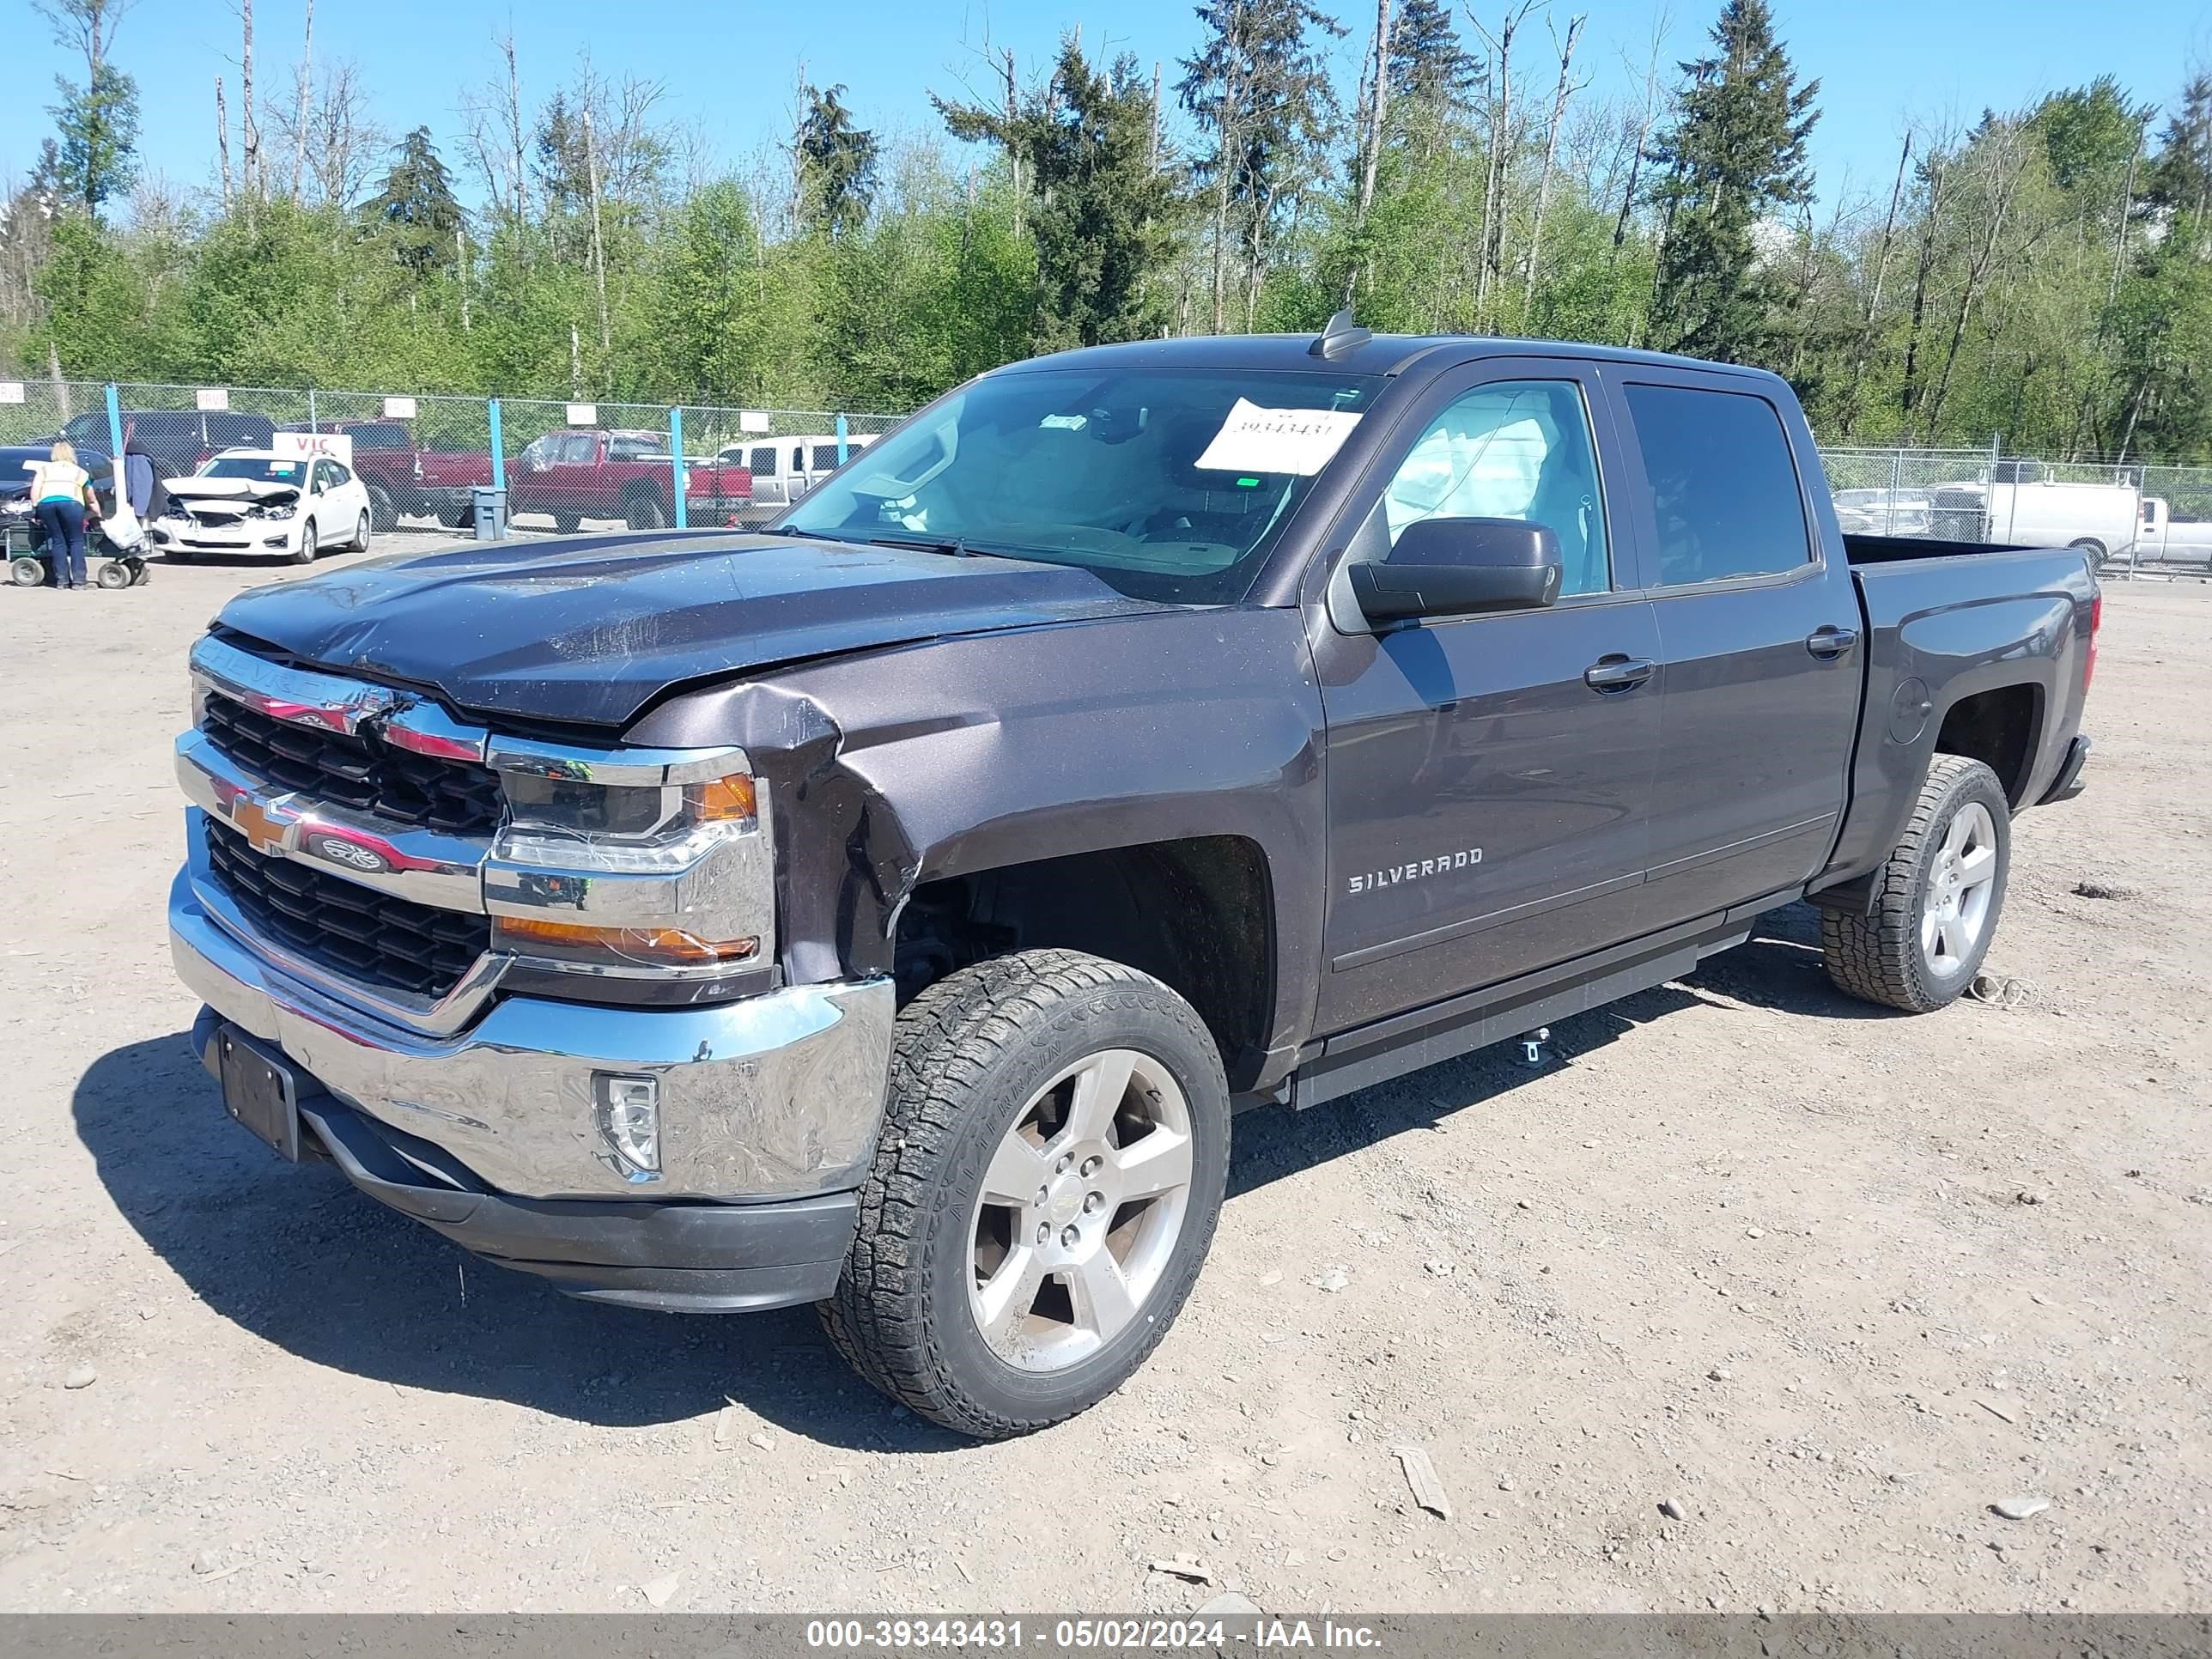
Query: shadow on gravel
{"points": [[295, 1255], [298, 1257]]}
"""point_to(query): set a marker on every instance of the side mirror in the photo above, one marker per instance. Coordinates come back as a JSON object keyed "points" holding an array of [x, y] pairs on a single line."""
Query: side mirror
{"points": [[1461, 568]]}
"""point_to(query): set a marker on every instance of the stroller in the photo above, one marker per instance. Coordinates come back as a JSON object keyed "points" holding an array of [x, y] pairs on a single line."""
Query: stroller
{"points": [[119, 540]]}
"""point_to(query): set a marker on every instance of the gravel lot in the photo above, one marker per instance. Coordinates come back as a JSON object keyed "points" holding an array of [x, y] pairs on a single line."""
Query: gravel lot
{"points": [[1826, 1283]]}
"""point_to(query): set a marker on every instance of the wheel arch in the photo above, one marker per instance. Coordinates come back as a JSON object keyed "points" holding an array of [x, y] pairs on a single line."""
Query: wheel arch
{"points": [[1197, 913], [2001, 726]]}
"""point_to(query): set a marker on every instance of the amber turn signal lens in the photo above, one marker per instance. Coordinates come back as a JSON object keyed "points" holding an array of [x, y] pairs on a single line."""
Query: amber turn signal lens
{"points": [[723, 799], [660, 945]]}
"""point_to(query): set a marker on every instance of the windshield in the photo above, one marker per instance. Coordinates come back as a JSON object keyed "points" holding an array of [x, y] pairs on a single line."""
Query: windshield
{"points": [[1170, 484], [259, 469]]}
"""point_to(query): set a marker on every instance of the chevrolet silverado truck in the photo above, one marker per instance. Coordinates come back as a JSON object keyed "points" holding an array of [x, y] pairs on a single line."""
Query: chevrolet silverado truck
{"points": [[888, 909]]}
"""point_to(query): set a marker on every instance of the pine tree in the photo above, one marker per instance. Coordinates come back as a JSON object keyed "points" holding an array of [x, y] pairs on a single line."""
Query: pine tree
{"points": [[2181, 179], [1083, 145], [836, 163], [415, 208], [1261, 93], [1735, 159], [1430, 69]]}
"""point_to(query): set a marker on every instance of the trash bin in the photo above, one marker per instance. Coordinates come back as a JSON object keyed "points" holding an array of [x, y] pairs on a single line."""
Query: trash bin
{"points": [[490, 513]]}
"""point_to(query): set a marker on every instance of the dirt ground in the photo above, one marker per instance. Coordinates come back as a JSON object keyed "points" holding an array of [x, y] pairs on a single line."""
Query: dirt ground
{"points": [[1827, 1283]]}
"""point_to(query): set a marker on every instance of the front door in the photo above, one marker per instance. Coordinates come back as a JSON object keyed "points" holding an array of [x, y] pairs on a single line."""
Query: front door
{"points": [[1489, 776]]}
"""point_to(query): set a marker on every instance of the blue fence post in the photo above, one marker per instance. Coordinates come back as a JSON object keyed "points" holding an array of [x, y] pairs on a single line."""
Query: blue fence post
{"points": [[114, 427], [498, 454], [841, 441], [676, 451]]}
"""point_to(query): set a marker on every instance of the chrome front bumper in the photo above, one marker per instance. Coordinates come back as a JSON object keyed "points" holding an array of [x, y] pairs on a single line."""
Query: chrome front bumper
{"points": [[776, 1096]]}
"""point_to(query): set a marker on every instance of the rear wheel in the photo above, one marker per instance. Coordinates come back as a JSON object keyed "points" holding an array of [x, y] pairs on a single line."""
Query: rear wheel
{"points": [[1936, 901], [457, 518], [305, 553], [645, 513], [1050, 1173], [567, 523], [114, 575]]}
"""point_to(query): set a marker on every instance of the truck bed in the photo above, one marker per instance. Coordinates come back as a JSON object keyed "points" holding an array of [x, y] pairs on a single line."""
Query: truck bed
{"points": [[1897, 549], [1952, 619]]}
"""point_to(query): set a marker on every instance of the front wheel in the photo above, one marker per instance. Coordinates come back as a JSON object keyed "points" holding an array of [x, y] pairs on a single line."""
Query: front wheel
{"points": [[305, 553], [1936, 902], [1051, 1169], [112, 575]]}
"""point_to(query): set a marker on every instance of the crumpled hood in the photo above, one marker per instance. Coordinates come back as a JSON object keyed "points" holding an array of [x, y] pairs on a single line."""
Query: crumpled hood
{"points": [[590, 630], [254, 489]]}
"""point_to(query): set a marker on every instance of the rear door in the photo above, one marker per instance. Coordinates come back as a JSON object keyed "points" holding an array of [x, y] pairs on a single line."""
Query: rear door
{"points": [[1758, 688], [1488, 776]]}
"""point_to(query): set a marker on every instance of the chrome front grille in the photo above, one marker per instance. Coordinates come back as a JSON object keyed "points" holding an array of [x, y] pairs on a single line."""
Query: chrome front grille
{"points": [[373, 938], [356, 770]]}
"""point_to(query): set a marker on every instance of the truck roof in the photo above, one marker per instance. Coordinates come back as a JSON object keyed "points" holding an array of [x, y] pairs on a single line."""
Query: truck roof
{"points": [[1380, 353]]}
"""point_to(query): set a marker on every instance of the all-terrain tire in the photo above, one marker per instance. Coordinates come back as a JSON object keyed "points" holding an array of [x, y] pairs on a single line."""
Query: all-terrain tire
{"points": [[966, 1052], [1881, 956], [382, 509]]}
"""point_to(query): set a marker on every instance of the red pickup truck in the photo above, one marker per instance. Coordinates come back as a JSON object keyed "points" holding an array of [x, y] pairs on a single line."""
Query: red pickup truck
{"points": [[406, 479], [572, 475]]}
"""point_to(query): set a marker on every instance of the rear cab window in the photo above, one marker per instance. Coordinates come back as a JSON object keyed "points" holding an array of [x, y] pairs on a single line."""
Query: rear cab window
{"points": [[1725, 497]]}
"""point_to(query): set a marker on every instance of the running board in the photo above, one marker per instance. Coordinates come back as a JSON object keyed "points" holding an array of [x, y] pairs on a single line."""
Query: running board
{"points": [[1389, 1048]]}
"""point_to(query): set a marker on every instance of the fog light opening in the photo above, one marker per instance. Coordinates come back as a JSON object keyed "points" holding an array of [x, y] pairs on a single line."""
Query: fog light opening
{"points": [[628, 1111]]}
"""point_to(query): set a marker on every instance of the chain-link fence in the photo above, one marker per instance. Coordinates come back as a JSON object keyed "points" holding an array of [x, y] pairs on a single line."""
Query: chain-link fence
{"points": [[2132, 518], [574, 465], [565, 466]]}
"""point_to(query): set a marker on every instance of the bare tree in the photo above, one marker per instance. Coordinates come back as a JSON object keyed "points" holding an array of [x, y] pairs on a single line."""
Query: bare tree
{"points": [[1568, 87], [496, 121], [300, 100], [85, 26], [1649, 115], [1873, 304], [599, 241], [1378, 101], [223, 140], [250, 180], [2003, 159], [1490, 263], [344, 142]]}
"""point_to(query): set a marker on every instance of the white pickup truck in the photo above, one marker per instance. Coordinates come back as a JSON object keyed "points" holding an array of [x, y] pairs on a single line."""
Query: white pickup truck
{"points": [[2166, 540]]}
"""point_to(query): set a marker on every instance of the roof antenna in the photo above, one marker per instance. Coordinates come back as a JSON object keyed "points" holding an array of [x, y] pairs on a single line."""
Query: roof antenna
{"points": [[1340, 336]]}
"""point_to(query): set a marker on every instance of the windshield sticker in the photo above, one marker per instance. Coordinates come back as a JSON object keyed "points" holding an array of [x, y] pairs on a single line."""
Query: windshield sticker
{"points": [[1297, 441], [1061, 423]]}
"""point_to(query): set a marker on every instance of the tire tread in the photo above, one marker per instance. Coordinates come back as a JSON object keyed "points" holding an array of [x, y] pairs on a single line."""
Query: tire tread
{"points": [[880, 1319]]}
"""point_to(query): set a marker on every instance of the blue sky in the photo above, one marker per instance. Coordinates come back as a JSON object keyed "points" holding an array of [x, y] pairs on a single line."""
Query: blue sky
{"points": [[729, 67]]}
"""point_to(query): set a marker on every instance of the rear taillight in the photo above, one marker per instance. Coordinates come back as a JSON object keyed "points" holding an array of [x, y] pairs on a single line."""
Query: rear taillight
{"points": [[2096, 622]]}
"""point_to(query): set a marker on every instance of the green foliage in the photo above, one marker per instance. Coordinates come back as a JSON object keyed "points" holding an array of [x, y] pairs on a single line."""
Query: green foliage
{"points": [[96, 157], [2046, 276], [836, 163], [416, 209], [1734, 158]]}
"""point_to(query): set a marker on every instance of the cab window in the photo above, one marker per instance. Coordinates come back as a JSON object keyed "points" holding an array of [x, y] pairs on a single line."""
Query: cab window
{"points": [[1513, 449]]}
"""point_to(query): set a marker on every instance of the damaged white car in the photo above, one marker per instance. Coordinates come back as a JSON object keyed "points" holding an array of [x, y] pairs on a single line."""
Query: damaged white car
{"points": [[255, 500]]}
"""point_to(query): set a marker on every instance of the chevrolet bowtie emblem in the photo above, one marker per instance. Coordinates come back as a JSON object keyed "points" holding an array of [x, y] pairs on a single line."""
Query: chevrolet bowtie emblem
{"points": [[262, 829]]}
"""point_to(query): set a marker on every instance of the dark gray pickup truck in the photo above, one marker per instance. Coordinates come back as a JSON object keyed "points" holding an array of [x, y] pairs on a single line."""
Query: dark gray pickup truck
{"points": [[890, 910]]}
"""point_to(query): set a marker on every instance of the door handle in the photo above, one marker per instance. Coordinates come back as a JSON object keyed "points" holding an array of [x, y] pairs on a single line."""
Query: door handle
{"points": [[1614, 674], [1829, 642]]}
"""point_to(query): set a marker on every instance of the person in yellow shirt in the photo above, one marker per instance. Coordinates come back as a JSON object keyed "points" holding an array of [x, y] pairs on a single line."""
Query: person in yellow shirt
{"points": [[61, 494]]}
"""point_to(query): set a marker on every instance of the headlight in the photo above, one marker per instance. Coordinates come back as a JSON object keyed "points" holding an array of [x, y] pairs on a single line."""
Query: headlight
{"points": [[282, 510], [617, 877]]}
